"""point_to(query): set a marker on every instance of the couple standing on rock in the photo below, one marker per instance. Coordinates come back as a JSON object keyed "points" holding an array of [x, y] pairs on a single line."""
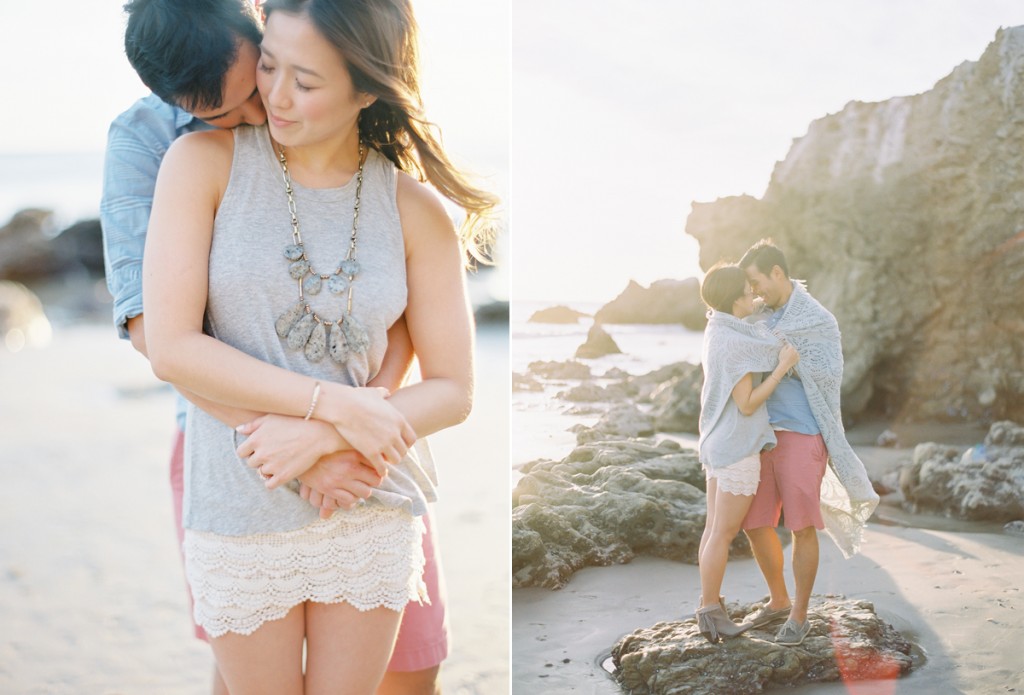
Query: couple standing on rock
{"points": [[772, 438]]}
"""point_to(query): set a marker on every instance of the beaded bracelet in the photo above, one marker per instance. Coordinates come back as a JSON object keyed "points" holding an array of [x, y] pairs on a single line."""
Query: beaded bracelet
{"points": [[312, 404]]}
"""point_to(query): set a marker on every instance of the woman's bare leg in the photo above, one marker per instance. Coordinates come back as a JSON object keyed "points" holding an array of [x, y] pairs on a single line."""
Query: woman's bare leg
{"points": [[269, 661], [347, 650], [730, 510], [709, 521], [219, 686]]}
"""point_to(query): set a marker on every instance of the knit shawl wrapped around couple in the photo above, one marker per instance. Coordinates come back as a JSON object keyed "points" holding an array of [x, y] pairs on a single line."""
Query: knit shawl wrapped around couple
{"points": [[737, 348]]}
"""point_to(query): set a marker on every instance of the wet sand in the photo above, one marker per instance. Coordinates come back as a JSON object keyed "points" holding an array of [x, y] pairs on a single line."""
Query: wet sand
{"points": [[91, 587]]}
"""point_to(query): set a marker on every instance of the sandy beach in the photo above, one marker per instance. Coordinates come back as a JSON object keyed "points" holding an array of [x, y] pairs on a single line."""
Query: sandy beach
{"points": [[91, 588], [952, 588]]}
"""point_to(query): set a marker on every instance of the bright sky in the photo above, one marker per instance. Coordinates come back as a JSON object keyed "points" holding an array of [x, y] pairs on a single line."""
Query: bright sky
{"points": [[625, 113], [65, 77]]}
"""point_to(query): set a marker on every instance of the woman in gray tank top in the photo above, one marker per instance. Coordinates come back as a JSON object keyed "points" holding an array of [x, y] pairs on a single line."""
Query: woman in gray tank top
{"points": [[277, 258]]}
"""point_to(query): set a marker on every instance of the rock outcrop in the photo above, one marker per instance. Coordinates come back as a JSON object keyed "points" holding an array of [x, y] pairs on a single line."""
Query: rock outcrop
{"points": [[598, 344], [32, 249], [984, 483], [847, 642], [604, 504], [906, 217], [557, 314], [665, 301]]}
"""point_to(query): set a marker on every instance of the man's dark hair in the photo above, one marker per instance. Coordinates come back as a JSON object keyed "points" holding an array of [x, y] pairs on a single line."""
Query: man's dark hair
{"points": [[182, 49], [765, 255]]}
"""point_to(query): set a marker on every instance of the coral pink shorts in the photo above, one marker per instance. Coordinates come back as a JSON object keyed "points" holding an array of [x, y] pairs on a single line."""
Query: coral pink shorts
{"points": [[423, 635], [791, 475]]}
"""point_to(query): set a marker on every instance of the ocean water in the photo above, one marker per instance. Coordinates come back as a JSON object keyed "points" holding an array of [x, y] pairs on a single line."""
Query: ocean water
{"points": [[69, 184], [540, 421]]}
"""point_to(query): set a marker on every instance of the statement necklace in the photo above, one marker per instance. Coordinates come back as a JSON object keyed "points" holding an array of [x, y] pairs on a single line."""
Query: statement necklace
{"points": [[302, 327]]}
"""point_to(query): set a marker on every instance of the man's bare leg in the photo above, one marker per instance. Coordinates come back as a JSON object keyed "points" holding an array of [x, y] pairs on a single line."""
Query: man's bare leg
{"points": [[768, 552]]}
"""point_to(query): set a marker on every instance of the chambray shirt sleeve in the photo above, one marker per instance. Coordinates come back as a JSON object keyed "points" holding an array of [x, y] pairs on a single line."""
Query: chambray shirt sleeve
{"points": [[136, 144]]}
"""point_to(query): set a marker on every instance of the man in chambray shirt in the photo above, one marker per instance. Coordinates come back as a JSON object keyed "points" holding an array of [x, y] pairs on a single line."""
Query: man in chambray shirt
{"points": [[199, 58]]}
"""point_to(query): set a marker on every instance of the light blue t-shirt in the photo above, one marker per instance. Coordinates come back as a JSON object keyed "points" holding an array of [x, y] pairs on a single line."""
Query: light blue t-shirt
{"points": [[136, 144], [788, 408]]}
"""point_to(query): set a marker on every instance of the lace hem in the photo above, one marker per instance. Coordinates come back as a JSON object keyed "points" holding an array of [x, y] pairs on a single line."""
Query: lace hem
{"points": [[741, 478], [369, 557]]}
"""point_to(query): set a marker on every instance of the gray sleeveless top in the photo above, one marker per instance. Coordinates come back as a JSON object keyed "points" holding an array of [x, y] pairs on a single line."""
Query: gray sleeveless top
{"points": [[250, 287]]}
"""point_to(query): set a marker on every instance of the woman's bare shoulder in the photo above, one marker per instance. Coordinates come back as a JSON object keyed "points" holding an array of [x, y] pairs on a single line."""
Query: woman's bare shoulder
{"points": [[421, 211], [203, 156]]}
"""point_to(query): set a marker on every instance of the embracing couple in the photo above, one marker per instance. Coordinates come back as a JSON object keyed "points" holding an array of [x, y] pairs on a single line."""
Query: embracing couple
{"points": [[274, 250], [772, 439]]}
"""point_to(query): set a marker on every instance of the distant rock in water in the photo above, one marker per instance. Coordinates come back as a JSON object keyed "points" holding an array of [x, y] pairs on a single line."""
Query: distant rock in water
{"points": [[904, 216], [557, 314], [984, 483], [22, 321], [604, 504], [665, 301], [32, 249], [598, 344], [848, 642]]}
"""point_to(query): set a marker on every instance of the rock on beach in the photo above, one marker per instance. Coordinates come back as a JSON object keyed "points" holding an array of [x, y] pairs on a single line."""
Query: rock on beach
{"points": [[847, 642], [983, 483], [603, 504]]}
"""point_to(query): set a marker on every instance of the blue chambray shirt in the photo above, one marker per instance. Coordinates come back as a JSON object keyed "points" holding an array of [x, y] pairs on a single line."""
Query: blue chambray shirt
{"points": [[788, 408], [136, 144]]}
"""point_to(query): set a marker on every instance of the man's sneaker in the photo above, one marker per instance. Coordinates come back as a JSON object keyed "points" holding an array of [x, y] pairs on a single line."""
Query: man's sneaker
{"points": [[766, 616], [792, 633]]}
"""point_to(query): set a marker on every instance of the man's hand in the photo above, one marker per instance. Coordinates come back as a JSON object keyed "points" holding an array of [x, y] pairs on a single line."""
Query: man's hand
{"points": [[340, 479]]}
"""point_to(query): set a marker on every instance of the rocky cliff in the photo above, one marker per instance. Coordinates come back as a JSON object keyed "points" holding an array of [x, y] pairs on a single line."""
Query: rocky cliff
{"points": [[906, 217]]}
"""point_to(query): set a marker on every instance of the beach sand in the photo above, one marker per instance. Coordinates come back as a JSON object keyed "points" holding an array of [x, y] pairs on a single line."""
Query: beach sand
{"points": [[952, 588], [92, 593]]}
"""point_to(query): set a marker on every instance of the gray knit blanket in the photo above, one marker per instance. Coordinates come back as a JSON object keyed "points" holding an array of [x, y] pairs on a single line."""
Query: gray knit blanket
{"points": [[847, 496]]}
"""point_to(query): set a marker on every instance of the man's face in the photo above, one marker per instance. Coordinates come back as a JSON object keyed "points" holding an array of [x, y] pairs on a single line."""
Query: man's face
{"points": [[768, 287], [241, 102]]}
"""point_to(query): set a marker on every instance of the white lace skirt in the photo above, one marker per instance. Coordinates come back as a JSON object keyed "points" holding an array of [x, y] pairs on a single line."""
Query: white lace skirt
{"points": [[368, 557], [740, 478]]}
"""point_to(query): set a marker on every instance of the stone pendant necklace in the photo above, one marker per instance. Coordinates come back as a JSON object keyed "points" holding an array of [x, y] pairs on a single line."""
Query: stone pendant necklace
{"points": [[299, 325]]}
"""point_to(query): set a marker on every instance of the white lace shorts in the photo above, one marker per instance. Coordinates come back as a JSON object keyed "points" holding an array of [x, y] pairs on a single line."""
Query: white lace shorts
{"points": [[368, 557], [740, 478]]}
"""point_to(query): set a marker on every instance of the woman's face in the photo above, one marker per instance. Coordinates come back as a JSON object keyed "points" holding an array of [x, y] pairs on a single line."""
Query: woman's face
{"points": [[304, 83], [744, 306]]}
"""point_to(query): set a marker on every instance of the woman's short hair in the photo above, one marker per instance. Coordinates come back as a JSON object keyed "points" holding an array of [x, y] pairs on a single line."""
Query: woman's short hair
{"points": [[722, 286]]}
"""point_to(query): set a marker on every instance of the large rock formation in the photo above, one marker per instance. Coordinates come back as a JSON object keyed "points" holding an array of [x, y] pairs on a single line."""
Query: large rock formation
{"points": [[847, 642], [984, 483], [604, 504], [906, 217], [665, 301]]}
